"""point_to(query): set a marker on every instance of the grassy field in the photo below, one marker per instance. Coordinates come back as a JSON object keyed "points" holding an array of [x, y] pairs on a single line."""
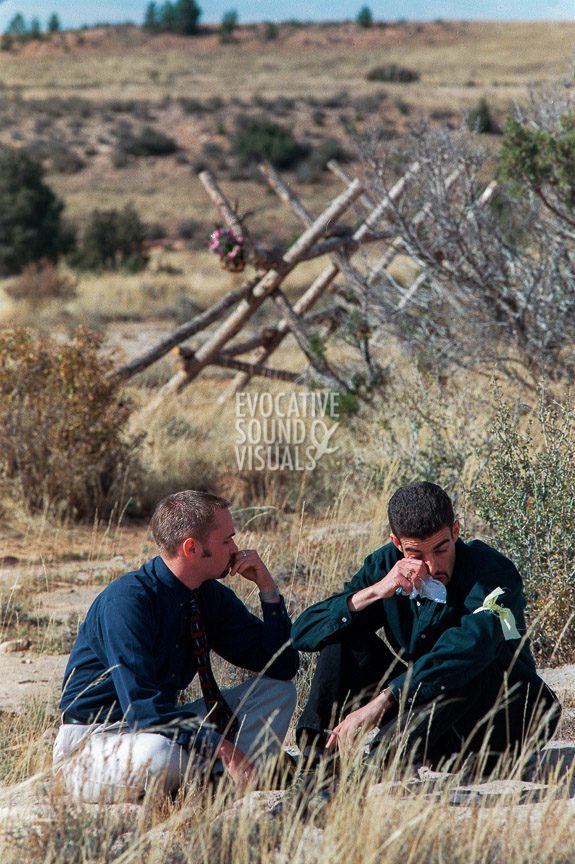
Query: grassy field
{"points": [[452, 58], [76, 88]]}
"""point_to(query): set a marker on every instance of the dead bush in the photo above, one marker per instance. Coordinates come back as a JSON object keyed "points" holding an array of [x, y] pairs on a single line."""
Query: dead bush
{"points": [[62, 421], [41, 281]]}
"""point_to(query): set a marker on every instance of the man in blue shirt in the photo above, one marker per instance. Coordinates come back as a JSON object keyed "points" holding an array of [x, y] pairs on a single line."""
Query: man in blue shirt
{"points": [[444, 678], [142, 642]]}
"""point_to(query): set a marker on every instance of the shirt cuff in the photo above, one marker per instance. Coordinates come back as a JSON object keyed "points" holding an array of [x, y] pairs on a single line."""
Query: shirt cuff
{"points": [[416, 693], [276, 610], [341, 615]]}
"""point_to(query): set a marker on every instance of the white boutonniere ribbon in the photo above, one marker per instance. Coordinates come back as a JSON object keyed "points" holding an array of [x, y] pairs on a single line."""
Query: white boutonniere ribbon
{"points": [[506, 616]]}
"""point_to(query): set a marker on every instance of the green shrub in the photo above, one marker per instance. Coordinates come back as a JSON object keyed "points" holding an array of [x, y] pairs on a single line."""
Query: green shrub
{"points": [[65, 160], [31, 225], [228, 25], [393, 74], [270, 31], [147, 142], [61, 424], [541, 160], [480, 119], [312, 169], [526, 496], [112, 241], [403, 107], [259, 139]]}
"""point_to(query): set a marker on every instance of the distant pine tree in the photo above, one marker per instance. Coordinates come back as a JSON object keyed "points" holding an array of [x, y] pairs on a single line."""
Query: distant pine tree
{"points": [[187, 16], [167, 17], [364, 17], [181, 17], [228, 25], [17, 26], [35, 29], [151, 17], [54, 25]]}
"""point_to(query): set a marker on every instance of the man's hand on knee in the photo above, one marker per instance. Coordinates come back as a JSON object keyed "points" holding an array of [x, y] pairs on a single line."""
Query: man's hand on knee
{"points": [[238, 766], [360, 721]]}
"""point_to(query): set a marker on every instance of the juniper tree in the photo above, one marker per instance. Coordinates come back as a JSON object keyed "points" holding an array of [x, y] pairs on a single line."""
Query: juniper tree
{"points": [[31, 226]]}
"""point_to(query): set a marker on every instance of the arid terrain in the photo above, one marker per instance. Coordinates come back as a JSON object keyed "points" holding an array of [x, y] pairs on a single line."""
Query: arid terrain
{"points": [[74, 100]]}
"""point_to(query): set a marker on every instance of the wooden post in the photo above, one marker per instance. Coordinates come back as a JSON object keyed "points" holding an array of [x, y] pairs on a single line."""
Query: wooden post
{"points": [[208, 181], [226, 361], [299, 330], [268, 283], [180, 334], [295, 323], [324, 279], [367, 200]]}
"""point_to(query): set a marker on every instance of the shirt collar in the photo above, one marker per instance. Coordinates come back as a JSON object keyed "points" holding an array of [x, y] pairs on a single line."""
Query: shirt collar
{"points": [[167, 578], [456, 583]]}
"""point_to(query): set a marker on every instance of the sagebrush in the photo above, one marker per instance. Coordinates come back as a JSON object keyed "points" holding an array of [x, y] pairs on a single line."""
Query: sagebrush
{"points": [[62, 420], [526, 495]]}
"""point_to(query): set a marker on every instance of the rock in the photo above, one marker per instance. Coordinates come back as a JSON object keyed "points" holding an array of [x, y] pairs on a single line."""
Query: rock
{"points": [[561, 679], [255, 804], [12, 646], [495, 792]]}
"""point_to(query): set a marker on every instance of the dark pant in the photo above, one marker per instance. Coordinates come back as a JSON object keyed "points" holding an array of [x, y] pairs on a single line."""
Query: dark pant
{"points": [[497, 712]]}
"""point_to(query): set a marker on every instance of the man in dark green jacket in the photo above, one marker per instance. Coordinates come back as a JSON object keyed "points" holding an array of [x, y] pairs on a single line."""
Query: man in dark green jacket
{"points": [[453, 676]]}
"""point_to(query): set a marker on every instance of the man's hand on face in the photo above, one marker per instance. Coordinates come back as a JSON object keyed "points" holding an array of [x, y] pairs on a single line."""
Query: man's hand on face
{"points": [[360, 721], [238, 766], [248, 564], [408, 573]]}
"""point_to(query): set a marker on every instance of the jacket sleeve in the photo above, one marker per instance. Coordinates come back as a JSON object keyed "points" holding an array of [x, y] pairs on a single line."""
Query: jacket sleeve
{"points": [[463, 651], [324, 620], [247, 641]]}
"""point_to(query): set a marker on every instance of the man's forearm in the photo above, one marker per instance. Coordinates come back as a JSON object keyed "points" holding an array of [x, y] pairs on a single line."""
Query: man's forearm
{"points": [[364, 598]]}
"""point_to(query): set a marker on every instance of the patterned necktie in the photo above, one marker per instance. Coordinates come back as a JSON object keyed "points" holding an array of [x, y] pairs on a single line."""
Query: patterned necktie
{"points": [[219, 712]]}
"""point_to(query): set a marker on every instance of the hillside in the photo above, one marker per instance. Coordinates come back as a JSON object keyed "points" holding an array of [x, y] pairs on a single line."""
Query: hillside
{"points": [[71, 97]]}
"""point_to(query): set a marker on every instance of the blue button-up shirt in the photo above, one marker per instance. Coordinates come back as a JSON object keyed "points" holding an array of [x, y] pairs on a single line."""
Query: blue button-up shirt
{"points": [[134, 649]]}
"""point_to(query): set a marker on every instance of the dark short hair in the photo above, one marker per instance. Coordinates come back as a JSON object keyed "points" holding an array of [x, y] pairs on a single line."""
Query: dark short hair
{"points": [[184, 514], [419, 510]]}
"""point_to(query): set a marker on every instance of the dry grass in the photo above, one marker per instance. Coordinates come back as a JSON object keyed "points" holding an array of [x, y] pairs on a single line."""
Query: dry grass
{"points": [[313, 528], [126, 63], [389, 817]]}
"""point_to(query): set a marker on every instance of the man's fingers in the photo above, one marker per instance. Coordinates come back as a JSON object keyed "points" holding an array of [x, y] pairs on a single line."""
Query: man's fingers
{"points": [[404, 582], [242, 560], [344, 734]]}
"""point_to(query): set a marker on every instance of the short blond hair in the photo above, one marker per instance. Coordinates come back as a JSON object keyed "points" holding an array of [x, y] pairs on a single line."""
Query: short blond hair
{"points": [[185, 514]]}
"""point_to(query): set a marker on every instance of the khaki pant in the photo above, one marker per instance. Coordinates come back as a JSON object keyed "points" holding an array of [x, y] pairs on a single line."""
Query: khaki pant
{"points": [[108, 762]]}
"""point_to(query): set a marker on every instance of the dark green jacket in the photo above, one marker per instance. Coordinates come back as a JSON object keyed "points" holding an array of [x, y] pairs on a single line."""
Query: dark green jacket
{"points": [[446, 646]]}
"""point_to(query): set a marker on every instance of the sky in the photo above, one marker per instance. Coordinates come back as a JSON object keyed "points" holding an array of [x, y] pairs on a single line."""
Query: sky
{"points": [[75, 14]]}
